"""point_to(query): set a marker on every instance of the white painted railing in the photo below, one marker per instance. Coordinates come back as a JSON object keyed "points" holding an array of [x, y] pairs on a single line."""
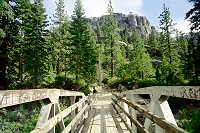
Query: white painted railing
{"points": [[125, 105], [50, 114], [158, 112]]}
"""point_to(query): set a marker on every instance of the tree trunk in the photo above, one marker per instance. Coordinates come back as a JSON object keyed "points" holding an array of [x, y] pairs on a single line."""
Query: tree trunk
{"points": [[112, 59], [58, 66], [196, 65], [3, 54], [169, 48], [98, 68], [20, 77]]}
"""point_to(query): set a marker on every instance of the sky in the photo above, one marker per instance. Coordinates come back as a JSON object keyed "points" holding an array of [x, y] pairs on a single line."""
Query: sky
{"points": [[148, 8]]}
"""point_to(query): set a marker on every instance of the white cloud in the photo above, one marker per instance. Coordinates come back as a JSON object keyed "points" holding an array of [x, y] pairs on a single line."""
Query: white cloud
{"points": [[96, 8], [182, 25], [126, 6]]}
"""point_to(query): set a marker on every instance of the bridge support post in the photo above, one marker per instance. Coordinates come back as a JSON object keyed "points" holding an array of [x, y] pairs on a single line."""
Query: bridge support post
{"points": [[57, 111], [160, 107], [73, 113], [44, 114], [133, 113], [126, 108], [147, 122], [52, 114]]}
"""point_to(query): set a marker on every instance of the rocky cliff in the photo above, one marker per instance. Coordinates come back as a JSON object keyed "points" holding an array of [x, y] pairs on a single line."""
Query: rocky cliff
{"points": [[130, 20]]}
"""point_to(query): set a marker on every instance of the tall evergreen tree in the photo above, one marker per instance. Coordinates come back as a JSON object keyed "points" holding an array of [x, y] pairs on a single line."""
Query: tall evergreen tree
{"points": [[170, 60], [153, 43], [82, 55], [59, 37], [183, 53], [194, 56], [194, 15], [194, 43], [113, 50], [140, 61], [35, 45], [6, 32], [167, 28]]}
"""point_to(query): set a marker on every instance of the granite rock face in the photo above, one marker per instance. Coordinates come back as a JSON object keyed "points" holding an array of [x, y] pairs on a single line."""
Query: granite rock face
{"points": [[130, 20]]}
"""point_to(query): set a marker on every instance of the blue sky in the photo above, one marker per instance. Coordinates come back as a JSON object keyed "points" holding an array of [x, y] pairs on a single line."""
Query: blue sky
{"points": [[149, 8]]}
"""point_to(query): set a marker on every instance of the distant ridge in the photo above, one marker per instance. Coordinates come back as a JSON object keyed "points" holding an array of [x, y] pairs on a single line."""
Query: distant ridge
{"points": [[131, 20]]}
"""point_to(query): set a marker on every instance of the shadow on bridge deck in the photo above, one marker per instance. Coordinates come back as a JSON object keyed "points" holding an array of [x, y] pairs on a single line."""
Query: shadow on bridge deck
{"points": [[100, 118]]}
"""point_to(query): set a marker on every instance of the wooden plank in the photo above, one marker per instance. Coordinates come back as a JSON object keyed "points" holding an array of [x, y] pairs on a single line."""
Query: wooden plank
{"points": [[158, 112], [72, 114], [119, 128], [103, 122], [88, 121], [44, 114], [52, 114], [73, 122], [61, 123], [188, 92], [147, 122], [127, 110], [171, 128], [53, 121], [122, 118], [14, 97], [133, 112], [140, 127]]}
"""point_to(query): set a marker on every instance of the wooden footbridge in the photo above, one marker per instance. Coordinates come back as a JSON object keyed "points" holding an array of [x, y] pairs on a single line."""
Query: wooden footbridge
{"points": [[113, 113]]}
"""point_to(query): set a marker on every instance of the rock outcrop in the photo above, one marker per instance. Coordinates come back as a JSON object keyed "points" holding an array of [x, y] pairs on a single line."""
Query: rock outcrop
{"points": [[130, 20]]}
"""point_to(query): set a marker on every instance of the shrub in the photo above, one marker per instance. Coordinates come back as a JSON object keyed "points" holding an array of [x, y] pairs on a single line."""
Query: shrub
{"points": [[105, 80], [148, 83], [190, 120], [59, 81], [19, 121], [85, 90], [114, 82], [129, 82]]}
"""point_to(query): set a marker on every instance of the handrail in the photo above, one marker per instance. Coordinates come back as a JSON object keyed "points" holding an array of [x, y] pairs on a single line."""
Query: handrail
{"points": [[14, 97], [73, 122], [45, 127], [187, 92], [158, 120], [45, 124], [140, 127]]}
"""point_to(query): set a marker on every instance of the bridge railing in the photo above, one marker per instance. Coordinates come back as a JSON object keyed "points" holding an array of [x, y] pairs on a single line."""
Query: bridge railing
{"points": [[158, 111], [50, 114]]}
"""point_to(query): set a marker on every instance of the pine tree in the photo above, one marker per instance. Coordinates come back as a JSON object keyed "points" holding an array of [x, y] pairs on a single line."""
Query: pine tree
{"points": [[114, 53], [183, 53], [166, 26], [170, 60], [140, 61], [82, 55], [194, 15], [35, 45], [153, 43], [194, 43], [59, 37], [194, 57], [6, 33]]}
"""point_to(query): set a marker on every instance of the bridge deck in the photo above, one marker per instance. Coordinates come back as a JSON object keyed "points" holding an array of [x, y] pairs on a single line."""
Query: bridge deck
{"points": [[100, 117]]}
